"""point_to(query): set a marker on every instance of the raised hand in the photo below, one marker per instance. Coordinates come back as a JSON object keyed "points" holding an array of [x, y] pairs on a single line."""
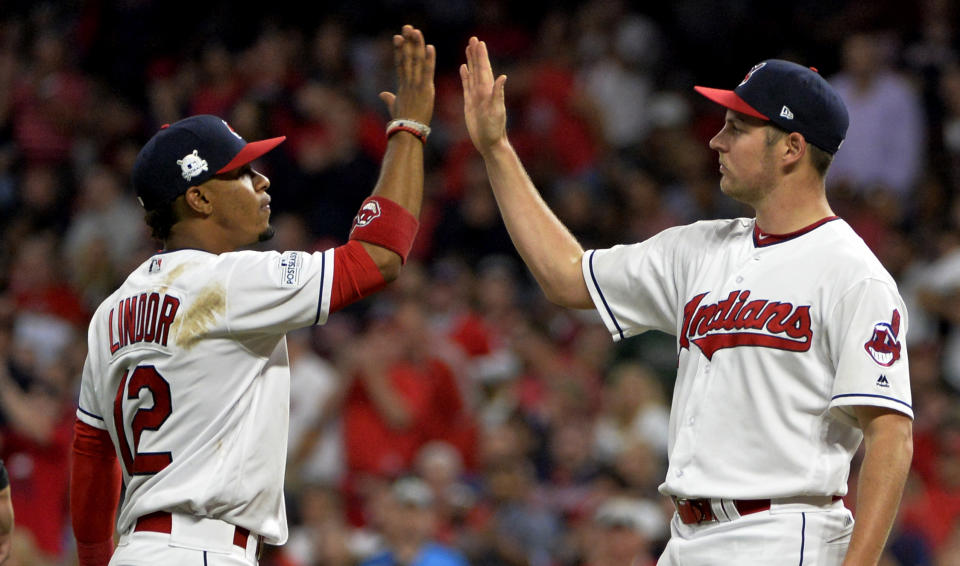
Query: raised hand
{"points": [[483, 104], [415, 63]]}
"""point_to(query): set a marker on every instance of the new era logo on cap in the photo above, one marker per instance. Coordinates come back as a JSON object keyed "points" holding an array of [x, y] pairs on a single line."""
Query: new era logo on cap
{"points": [[189, 153], [794, 97]]}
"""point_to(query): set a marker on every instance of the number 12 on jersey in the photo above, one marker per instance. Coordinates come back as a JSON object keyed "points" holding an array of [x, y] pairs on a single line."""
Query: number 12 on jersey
{"points": [[152, 418]]}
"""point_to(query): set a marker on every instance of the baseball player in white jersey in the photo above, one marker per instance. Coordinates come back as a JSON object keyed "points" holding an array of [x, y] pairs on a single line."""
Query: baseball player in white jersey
{"points": [[790, 334], [186, 381]]}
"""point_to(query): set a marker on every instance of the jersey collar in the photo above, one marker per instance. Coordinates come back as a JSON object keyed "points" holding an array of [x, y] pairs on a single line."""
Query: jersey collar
{"points": [[761, 239]]}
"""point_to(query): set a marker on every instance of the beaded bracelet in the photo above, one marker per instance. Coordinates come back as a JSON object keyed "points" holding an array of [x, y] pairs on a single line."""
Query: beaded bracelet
{"points": [[421, 131]]}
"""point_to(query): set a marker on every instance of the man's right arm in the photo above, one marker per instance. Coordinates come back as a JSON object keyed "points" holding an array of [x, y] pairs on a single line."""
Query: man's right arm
{"points": [[401, 174], [548, 248]]}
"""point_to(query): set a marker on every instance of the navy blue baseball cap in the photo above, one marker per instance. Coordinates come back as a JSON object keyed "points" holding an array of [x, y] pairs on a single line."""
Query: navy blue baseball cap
{"points": [[794, 97], [189, 152]]}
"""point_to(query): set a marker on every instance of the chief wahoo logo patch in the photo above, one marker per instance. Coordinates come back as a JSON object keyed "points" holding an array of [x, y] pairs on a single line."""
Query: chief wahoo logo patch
{"points": [[884, 346]]}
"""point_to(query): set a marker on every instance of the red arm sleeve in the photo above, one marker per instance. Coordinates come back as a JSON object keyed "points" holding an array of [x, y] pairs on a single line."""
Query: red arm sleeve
{"points": [[94, 493], [355, 275]]}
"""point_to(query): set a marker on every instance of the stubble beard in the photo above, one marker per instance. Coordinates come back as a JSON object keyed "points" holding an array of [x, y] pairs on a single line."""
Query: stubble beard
{"points": [[751, 193], [266, 234]]}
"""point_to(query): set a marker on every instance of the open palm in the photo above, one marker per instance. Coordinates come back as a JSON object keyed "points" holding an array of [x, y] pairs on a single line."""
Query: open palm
{"points": [[483, 104]]}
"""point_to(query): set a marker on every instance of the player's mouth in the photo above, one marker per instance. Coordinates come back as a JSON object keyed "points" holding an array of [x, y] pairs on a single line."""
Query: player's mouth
{"points": [[266, 204]]}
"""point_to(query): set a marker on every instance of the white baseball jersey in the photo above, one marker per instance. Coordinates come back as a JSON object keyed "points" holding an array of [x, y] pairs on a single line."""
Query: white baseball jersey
{"points": [[777, 337], [187, 370]]}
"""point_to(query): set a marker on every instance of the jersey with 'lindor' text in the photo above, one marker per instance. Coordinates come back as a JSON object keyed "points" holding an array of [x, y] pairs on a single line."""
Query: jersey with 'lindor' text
{"points": [[187, 370]]}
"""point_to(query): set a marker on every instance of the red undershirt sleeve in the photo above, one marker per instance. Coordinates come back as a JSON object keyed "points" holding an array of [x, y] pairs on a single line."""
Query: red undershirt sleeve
{"points": [[94, 493], [355, 275]]}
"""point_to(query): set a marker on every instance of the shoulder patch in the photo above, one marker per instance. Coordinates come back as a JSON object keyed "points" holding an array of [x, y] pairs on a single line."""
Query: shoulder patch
{"points": [[884, 344], [290, 264]]}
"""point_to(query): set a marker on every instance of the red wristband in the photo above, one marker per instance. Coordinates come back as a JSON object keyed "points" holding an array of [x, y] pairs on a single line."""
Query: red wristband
{"points": [[385, 223]]}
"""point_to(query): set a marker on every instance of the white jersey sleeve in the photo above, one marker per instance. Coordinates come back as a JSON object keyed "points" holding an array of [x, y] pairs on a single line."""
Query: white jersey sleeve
{"points": [[88, 407], [635, 286], [270, 291], [869, 349]]}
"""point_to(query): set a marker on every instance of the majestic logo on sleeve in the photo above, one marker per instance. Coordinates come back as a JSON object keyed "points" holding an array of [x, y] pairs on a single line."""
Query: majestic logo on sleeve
{"points": [[883, 345], [735, 322], [368, 213]]}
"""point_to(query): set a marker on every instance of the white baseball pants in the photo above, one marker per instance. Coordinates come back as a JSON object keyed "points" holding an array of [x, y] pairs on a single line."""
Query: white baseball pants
{"points": [[789, 534]]}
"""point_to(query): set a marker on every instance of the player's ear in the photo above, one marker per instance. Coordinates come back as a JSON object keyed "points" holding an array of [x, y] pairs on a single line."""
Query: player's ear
{"points": [[197, 201], [795, 147]]}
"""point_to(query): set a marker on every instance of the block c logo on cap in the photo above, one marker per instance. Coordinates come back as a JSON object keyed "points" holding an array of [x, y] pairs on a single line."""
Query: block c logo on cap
{"points": [[232, 131], [192, 165], [750, 73]]}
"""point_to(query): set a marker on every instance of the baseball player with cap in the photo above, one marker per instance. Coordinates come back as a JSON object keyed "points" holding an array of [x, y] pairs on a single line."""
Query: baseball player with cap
{"points": [[790, 333], [186, 382]]}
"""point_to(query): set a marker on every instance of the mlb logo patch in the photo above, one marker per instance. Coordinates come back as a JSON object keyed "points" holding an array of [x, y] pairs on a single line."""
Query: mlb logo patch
{"points": [[155, 265], [289, 266], [192, 165]]}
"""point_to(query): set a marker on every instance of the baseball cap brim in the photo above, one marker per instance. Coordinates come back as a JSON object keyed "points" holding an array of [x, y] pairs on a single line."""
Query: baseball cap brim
{"points": [[729, 99], [251, 151]]}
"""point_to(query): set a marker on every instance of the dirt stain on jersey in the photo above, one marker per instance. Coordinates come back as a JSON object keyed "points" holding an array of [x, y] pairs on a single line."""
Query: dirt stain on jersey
{"points": [[172, 276], [193, 325]]}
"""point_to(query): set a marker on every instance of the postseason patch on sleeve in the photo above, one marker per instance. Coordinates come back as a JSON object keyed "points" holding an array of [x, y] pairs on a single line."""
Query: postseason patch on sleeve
{"points": [[290, 264]]}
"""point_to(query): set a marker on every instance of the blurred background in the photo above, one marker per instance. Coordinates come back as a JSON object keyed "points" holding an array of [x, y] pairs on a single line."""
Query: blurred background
{"points": [[457, 417]]}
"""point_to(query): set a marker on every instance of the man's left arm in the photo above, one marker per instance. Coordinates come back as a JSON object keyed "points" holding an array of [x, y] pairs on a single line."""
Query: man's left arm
{"points": [[888, 444]]}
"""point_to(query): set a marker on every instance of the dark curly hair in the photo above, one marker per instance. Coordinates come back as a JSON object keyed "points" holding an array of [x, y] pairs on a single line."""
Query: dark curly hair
{"points": [[161, 220]]}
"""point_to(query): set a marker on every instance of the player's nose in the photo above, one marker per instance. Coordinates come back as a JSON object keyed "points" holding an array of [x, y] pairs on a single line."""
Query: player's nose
{"points": [[260, 181], [716, 142]]}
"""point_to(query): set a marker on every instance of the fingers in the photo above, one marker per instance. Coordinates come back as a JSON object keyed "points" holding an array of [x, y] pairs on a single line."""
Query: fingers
{"points": [[499, 87], [415, 61], [476, 74], [465, 78], [478, 63], [483, 61], [410, 52], [430, 64], [388, 98], [398, 53]]}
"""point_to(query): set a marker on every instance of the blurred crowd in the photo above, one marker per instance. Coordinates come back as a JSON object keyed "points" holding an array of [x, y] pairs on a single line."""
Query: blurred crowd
{"points": [[458, 418]]}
